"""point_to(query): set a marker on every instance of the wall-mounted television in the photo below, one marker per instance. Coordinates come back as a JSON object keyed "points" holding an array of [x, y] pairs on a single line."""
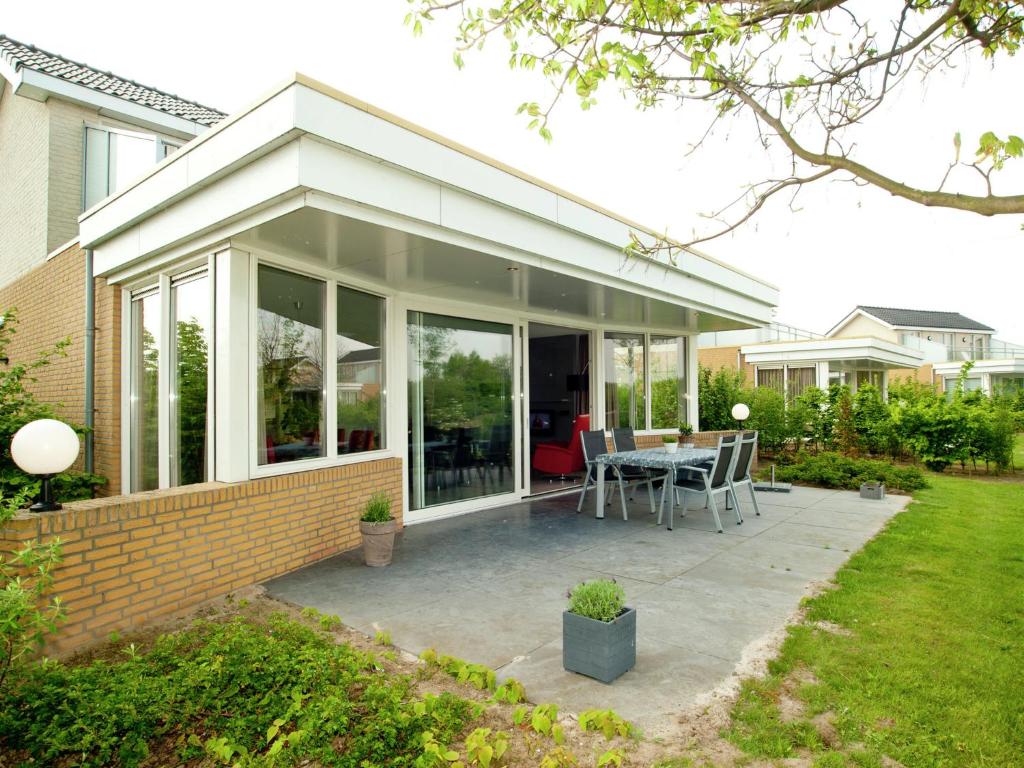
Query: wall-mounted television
{"points": [[541, 421]]}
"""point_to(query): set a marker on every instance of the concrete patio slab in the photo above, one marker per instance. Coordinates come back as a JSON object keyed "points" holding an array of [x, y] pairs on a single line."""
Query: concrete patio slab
{"points": [[490, 587]]}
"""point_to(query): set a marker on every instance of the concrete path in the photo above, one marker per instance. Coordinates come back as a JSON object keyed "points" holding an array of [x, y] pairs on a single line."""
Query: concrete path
{"points": [[490, 587]]}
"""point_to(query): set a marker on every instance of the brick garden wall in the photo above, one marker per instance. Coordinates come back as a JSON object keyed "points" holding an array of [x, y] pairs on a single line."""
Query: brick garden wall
{"points": [[132, 559], [51, 306]]}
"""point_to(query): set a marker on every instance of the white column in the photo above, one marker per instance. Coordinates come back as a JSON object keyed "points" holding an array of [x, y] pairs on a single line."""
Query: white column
{"points": [[232, 327], [692, 414], [821, 375]]}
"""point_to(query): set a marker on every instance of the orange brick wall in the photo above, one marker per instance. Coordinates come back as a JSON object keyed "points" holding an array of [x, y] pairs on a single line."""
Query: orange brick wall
{"points": [[51, 306], [725, 357], [132, 559]]}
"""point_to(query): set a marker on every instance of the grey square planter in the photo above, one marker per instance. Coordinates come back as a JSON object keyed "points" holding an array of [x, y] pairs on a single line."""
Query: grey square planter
{"points": [[603, 650], [875, 491]]}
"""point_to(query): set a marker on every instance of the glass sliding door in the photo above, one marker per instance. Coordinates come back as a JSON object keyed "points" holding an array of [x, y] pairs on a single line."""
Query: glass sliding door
{"points": [[144, 386], [190, 375], [624, 381], [461, 435]]}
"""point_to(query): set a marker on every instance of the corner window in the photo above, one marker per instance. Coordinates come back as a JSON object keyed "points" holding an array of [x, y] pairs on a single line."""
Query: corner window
{"points": [[668, 382], [645, 382], [624, 400], [289, 367]]}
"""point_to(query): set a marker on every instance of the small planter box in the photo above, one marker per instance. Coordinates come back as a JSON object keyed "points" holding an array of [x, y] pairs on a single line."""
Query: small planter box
{"points": [[603, 650], [875, 491]]}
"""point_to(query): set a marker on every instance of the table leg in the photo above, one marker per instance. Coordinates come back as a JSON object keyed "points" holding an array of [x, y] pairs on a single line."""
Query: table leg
{"points": [[600, 491]]}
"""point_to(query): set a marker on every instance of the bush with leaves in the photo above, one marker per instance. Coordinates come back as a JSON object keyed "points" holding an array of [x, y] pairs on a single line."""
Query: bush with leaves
{"points": [[768, 417], [27, 613], [811, 419], [19, 406], [717, 393], [833, 470], [871, 420]]}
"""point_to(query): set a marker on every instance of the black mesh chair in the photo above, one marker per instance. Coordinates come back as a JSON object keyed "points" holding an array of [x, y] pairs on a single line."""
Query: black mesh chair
{"points": [[594, 445], [624, 440], [740, 474], [704, 482]]}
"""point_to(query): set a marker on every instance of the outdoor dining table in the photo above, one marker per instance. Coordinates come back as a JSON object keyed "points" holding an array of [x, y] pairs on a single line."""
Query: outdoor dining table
{"points": [[649, 458]]}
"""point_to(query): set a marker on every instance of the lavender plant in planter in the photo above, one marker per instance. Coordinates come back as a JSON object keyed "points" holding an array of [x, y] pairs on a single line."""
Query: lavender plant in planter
{"points": [[599, 631]]}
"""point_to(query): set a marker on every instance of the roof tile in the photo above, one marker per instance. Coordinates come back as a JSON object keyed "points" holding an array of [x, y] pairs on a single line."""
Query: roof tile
{"points": [[924, 318]]}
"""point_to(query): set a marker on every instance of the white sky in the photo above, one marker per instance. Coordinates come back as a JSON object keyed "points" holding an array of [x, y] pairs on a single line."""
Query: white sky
{"points": [[845, 246]]}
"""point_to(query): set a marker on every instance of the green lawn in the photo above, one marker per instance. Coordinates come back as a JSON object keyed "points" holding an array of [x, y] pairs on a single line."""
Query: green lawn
{"points": [[930, 669], [1018, 452]]}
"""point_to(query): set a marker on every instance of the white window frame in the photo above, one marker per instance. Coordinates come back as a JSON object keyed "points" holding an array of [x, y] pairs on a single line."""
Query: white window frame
{"points": [[158, 140], [161, 283], [330, 372], [691, 383]]}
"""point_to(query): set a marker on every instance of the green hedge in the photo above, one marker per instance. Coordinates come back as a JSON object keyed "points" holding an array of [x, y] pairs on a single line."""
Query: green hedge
{"points": [[833, 470]]}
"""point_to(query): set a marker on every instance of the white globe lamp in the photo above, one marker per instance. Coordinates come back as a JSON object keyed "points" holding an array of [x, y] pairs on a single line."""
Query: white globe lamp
{"points": [[741, 412], [45, 447]]}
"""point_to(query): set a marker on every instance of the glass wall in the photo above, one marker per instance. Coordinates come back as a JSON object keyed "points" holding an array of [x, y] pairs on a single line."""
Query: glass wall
{"points": [[870, 377], [289, 366], [360, 363], [190, 318], [624, 401], [668, 382], [144, 387], [460, 409]]}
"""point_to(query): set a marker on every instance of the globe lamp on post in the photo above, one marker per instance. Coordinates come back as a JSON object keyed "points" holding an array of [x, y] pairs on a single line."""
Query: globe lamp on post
{"points": [[741, 412], [45, 447]]}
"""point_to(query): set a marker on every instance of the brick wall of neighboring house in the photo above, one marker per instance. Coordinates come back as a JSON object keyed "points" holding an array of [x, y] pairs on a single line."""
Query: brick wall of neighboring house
{"points": [[51, 306], [923, 375], [129, 560], [716, 358], [64, 190]]}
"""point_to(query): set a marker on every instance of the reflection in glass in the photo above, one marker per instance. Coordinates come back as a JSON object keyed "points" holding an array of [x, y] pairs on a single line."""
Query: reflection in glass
{"points": [[668, 381], [190, 312], [624, 380], [460, 408], [360, 331], [143, 381], [289, 376]]}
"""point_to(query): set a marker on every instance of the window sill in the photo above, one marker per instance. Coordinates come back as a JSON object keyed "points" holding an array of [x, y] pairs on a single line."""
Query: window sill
{"points": [[324, 462]]}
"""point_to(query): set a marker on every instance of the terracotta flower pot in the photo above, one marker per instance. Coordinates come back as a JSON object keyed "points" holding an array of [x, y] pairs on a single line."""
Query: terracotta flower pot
{"points": [[378, 542]]}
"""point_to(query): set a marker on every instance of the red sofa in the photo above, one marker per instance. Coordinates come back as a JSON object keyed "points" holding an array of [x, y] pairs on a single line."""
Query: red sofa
{"points": [[563, 458]]}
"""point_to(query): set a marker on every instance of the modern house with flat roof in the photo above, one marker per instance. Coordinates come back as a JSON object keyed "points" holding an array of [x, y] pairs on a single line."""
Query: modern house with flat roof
{"points": [[312, 300]]}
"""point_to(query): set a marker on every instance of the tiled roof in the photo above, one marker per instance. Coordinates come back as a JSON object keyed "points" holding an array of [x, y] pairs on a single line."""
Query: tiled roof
{"points": [[924, 318], [19, 55]]}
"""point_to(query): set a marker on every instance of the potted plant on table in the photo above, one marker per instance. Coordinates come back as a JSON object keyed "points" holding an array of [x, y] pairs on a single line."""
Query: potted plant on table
{"points": [[671, 442], [378, 526], [686, 431], [599, 631]]}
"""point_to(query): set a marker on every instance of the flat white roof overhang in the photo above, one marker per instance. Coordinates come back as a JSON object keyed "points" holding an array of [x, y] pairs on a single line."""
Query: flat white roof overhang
{"points": [[866, 353], [314, 175], [1012, 366]]}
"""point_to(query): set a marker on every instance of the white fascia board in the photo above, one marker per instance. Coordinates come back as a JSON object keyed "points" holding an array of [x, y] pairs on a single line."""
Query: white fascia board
{"points": [[40, 86], [346, 125], [828, 350], [254, 187], [952, 367], [190, 169]]}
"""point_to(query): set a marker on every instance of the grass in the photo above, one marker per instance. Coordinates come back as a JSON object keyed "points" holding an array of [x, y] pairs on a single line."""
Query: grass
{"points": [[917, 654], [1018, 452]]}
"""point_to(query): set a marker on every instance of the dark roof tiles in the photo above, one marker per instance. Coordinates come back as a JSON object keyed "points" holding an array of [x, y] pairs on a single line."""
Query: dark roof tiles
{"points": [[924, 318], [20, 55]]}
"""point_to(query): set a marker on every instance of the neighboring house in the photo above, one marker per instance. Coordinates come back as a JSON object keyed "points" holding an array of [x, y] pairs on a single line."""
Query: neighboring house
{"points": [[790, 360], [872, 344], [308, 227]]}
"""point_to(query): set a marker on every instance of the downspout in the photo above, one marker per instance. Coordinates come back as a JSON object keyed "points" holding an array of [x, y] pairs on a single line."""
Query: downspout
{"points": [[90, 360]]}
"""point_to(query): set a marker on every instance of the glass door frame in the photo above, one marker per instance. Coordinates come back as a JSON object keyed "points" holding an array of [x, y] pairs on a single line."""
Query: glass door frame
{"points": [[399, 434]]}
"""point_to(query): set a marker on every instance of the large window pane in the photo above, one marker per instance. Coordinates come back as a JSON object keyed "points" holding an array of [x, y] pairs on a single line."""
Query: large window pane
{"points": [[771, 378], [289, 359], [144, 410], [799, 379], [460, 409], [360, 353], [668, 381], [190, 313], [624, 380]]}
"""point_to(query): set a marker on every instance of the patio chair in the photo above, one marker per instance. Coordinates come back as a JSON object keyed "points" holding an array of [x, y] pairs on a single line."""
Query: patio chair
{"points": [[740, 474], [594, 445], [623, 439], [705, 482]]}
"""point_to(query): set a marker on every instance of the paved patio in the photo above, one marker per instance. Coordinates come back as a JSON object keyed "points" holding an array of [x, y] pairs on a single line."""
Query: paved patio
{"points": [[490, 587]]}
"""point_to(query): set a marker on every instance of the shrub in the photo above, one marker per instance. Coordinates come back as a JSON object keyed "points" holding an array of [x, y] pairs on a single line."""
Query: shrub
{"points": [[833, 470], [768, 417], [601, 599], [239, 687], [669, 439], [378, 509], [871, 419], [717, 393]]}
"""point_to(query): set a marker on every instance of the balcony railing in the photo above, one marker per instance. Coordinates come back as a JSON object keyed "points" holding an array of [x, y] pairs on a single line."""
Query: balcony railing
{"points": [[941, 353]]}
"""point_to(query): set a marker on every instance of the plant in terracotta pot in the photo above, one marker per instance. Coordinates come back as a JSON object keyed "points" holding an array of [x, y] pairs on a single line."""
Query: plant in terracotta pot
{"points": [[599, 631], [671, 442], [686, 432], [378, 526]]}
